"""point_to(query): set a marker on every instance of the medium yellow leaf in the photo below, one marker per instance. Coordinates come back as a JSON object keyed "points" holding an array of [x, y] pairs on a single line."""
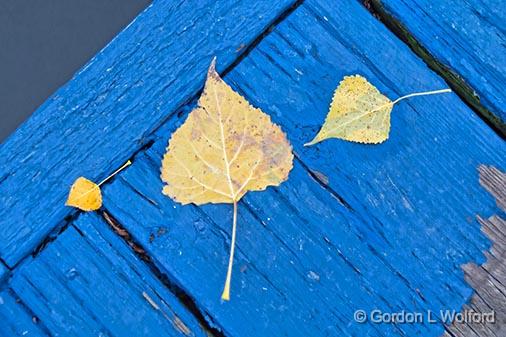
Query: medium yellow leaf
{"points": [[360, 113], [224, 149], [86, 195]]}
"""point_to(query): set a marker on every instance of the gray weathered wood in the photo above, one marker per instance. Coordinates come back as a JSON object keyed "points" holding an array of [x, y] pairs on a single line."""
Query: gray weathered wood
{"points": [[489, 279], [494, 181]]}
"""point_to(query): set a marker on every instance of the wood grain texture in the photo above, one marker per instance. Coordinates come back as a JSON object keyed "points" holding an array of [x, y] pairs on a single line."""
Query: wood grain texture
{"points": [[384, 226], [494, 181], [88, 282], [489, 279], [307, 268], [16, 319], [420, 187], [463, 40], [106, 112]]}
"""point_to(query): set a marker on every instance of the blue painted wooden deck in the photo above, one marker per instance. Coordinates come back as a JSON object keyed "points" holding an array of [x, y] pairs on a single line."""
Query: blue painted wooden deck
{"points": [[465, 41], [354, 228]]}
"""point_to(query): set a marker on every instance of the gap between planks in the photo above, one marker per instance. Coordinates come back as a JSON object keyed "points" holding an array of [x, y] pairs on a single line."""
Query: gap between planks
{"points": [[125, 235], [51, 236], [456, 82], [184, 298]]}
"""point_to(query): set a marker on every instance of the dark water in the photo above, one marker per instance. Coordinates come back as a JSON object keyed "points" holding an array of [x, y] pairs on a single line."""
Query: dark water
{"points": [[43, 43]]}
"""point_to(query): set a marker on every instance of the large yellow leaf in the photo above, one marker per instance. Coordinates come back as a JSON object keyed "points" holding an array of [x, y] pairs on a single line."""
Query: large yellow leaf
{"points": [[360, 113], [224, 149]]}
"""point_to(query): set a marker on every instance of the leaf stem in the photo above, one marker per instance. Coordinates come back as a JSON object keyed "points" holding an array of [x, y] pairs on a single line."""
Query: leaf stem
{"points": [[128, 163], [226, 289], [424, 93]]}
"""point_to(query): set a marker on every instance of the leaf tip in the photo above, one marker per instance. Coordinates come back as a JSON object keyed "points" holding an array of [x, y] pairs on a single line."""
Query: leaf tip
{"points": [[313, 142], [212, 68]]}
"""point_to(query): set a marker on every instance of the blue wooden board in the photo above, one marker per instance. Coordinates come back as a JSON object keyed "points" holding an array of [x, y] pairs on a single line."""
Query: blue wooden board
{"points": [[468, 37], [355, 227], [97, 121], [16, 319], [408, 219], [307, 268], [88, 282], [3, 271]]}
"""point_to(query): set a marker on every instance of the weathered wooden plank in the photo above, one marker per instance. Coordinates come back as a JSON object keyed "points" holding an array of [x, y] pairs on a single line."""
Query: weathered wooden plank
{"points": [[424, 178], [15, 319], [464, 41], [489, 279], [89, 282], [300, 272], [103, 115], [488, 282], [398, 245], [494, 181], [422, 182], [411, 201]]}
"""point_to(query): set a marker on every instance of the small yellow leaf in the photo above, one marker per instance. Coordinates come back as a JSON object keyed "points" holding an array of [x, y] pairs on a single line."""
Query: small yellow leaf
{"points": [[85, 195], [224, 149], [360, 113]]}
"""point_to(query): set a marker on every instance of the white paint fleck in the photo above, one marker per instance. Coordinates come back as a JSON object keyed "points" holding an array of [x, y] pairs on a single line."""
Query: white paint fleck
{"points": [[313, 276], [406, 203]]}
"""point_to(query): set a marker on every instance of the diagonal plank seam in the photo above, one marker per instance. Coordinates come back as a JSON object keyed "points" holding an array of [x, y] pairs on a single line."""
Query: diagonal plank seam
{"points": [[184, 298], [239, 55], [30, 312], [453, 79], [246, 51], [329, 190], [68, 220], [150, 138], [65, 223]]}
